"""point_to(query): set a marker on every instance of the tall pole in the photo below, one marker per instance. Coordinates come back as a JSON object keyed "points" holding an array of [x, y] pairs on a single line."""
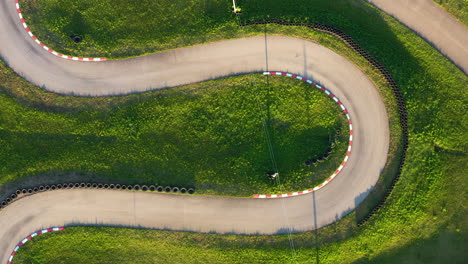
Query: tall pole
{"points": [[234, 5]]}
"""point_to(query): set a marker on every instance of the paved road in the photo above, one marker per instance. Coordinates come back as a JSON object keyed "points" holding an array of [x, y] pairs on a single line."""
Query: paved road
{"points": [[188, 65], [432, 23]]}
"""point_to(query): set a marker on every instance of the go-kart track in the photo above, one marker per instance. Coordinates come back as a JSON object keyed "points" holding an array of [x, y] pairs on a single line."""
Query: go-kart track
{"points": [[182, 66]]}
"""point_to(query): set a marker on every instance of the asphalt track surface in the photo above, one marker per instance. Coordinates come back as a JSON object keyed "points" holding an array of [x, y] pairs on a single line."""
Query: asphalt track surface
{"points": [[189, 65], [432, 23]]}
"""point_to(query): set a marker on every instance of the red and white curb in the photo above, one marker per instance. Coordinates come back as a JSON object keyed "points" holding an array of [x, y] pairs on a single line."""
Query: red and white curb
{"points": [[26, 239], [18, 10], [348, 153]]}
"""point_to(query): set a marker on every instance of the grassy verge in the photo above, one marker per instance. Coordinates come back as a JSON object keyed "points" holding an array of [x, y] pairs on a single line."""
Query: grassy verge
{"points": [[458, 8], [426, 214], [209, 136]]}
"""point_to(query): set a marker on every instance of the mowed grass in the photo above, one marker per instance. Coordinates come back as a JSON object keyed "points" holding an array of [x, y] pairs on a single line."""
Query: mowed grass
{"points": [[121, 28], [210, 136], [423, 221]]}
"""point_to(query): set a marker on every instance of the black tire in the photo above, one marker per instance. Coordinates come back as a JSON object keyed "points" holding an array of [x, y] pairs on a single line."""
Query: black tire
{"points": [[59, 186], [167, 189], [152, 188], [77, 185], [191, 191], [41, 188], [118, 187], [144, 188], [18, 192], [123, 187], [30, 191], [3, 204], [65, 186], [13, 196], [8, 200], [35, 189], [136, 187], [175, 189], [47, 187], [53, 187], [129, 187], [111, 186], [88, 185], [183, 190], [100, 186], [24, 191], [159, 188], [94, 185]]}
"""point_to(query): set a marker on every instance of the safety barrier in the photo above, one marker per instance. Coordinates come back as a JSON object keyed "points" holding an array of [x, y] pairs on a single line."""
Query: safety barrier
{"points": [[43, 188]]}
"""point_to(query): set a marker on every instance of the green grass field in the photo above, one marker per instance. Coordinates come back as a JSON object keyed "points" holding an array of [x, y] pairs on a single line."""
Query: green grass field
{"points": [[209, 136], [423, 221]]}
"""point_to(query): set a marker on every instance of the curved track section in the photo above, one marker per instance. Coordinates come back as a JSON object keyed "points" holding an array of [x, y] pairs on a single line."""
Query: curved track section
{"points": [[188, 65], [31, 236], [434, 24], [350, 144]]}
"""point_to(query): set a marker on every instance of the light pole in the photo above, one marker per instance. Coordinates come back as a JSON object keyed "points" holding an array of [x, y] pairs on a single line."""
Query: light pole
{"points": [[234, 8]]}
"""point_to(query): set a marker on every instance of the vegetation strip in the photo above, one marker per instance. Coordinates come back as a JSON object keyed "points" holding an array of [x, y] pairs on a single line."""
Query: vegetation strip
{"points": [[26, 239], [348, 153], [20, 15]]}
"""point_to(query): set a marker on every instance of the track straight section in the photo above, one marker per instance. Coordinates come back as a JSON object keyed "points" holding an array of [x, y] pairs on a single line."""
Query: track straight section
{"points": [[26, 239], [348, 153], [20, 15]]}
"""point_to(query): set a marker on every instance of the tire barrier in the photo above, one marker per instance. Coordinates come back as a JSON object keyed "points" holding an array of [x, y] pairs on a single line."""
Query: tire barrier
{"points": [[350, 143], [42, 188], [328, 151], [26, 239], [383, 71]]}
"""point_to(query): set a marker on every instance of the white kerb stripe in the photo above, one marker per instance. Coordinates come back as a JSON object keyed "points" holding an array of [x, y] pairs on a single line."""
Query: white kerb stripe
{"points": [[17, 5], [342, 107], [20, 15], [24, 240], [16, 248]]}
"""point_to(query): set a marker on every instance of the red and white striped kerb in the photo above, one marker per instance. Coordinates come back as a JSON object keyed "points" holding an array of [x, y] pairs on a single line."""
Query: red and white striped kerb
{"points": [[18, 10], [26, 239], [348, 153]]}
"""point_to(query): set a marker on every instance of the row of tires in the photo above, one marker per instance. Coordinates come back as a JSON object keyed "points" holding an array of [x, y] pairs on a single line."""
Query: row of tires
{"points": [[328, 151], [391, 82], [136, 187]]}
